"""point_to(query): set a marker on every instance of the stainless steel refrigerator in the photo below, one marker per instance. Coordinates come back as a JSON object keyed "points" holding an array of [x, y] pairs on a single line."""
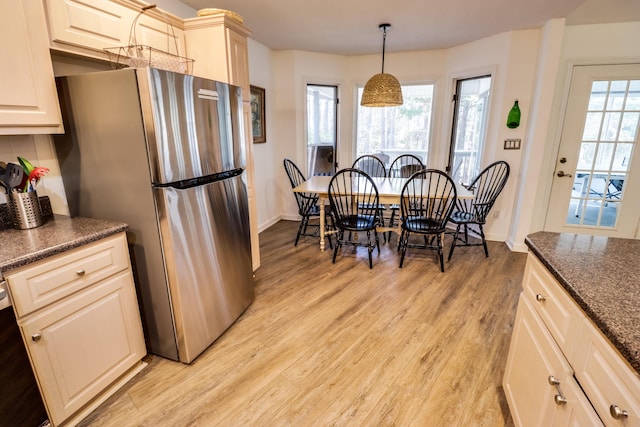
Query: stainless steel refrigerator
{"points": [[164, 152]]}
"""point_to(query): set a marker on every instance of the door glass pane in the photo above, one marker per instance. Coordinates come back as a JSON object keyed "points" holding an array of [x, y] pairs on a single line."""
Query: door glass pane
{"points": [[469, 128], [389, 132], [322, 102], [609, 135], [587, 154]]}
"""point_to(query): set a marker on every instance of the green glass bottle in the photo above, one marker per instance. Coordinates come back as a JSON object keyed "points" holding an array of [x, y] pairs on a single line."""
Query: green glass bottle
{"points": [[513, 120]]}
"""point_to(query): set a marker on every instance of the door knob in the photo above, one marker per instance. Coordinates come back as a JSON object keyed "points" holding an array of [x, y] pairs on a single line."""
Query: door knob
{"points": [[561, 174]]}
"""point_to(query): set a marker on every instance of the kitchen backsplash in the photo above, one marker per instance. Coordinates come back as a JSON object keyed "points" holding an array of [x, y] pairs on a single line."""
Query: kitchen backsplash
{"points": [[38, 149]]}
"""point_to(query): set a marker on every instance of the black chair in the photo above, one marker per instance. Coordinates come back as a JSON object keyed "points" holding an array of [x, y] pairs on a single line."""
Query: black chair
{"points": [[403, 166], [371, 165], [426, 203], [486, 188], [307, 204], [353, 197], [374, 167]]}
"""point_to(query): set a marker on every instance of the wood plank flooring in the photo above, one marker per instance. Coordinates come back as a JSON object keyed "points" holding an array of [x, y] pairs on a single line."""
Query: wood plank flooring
{"points": [[341, 345]]}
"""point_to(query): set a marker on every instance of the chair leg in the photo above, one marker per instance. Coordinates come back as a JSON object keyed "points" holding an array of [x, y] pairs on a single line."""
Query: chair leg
{"points": [[404, 240], [453, 244], [303, 226], [339, 238], [440, 239], [484, 242], [370, 247]]}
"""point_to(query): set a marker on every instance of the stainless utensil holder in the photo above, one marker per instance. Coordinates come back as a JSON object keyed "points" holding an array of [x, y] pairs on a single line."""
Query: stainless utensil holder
{"points": [[25, 210]]}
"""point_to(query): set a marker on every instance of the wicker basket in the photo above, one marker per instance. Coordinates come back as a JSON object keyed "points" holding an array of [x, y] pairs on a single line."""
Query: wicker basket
{"points": [[137, 55]]}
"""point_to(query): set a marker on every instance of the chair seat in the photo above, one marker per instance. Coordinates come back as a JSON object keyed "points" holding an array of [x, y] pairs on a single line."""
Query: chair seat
{"points": [[357, 222], [422, 225], [460, 217]]}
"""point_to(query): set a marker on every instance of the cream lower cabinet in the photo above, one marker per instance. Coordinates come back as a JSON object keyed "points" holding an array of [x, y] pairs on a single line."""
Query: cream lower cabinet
{"points": [[561, 371], [80, 322], [538, 382]]}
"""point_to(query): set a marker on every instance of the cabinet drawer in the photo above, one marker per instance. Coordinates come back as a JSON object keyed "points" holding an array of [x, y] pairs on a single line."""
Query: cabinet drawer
{"points": [[606, 378], [42, 283], [560, 314]]}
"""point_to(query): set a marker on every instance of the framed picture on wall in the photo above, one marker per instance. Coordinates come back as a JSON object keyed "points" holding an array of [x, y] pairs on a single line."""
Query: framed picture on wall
{"points": [[258, 115]]}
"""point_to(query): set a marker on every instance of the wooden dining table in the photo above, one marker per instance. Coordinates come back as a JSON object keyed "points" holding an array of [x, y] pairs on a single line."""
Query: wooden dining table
{"points": [[389, 191]]}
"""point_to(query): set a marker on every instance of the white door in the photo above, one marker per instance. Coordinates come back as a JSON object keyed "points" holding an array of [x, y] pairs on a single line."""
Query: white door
{"points": [[596, 185]]}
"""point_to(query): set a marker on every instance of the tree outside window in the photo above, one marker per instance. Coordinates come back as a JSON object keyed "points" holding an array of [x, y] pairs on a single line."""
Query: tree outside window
{"points": [[389, 132]]}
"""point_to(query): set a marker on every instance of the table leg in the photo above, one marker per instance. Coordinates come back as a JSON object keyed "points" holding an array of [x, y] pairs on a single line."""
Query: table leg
{"points": [[322, 225]]}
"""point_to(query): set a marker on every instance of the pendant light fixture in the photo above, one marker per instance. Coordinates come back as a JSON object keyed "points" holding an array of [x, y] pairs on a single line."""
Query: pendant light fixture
{"points": [[382, 90]]}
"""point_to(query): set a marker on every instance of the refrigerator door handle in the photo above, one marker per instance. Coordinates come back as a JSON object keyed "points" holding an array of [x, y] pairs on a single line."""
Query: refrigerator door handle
{"points": [[201, 180]]}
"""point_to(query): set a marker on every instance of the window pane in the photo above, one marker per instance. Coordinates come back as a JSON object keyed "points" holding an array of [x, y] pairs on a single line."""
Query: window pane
{"points": [[472, 109], [633, 98], [321, 129], [592, 127], [587, 153], [610, 127], [617, 94], [598, 95], [621, 159], [391, 131], [629, 127]]}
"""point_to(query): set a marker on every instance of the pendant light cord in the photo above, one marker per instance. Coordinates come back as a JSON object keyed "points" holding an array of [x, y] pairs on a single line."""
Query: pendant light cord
{"points": [[384, 42]]}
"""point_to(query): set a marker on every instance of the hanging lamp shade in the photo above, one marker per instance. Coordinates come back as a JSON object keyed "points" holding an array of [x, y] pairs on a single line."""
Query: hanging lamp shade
{"points": [[383, 89]]}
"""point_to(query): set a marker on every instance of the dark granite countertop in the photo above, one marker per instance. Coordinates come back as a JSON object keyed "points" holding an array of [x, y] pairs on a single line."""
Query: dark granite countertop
{"points": [[602, 274], [58, 234]]}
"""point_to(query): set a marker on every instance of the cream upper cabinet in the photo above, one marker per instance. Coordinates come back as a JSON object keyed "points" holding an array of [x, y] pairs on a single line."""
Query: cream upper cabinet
{"points": [[28, 98], [79, 318], [86, 28], [212, 38]]}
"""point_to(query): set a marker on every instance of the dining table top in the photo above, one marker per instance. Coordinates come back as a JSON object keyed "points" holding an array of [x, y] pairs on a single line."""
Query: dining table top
{"points": [[387, 187]]}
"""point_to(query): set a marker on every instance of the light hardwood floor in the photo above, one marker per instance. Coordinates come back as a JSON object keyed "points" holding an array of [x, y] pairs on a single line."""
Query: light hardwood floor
{"points": [[340, 345]]}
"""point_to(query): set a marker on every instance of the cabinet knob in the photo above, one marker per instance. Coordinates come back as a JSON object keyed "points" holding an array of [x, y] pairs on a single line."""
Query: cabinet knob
{"points": [[553, 380], [36, 337], [559, 399], [540, 298], [617, 413], [80, 272]]}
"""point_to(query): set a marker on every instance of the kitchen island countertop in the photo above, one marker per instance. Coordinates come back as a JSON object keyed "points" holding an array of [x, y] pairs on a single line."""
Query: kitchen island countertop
{"points": [[602, 274], [59, 234]]}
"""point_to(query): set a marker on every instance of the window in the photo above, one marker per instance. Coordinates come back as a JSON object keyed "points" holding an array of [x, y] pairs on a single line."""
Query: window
{"points": [[322, 133], [391, 131], [470, 117]]}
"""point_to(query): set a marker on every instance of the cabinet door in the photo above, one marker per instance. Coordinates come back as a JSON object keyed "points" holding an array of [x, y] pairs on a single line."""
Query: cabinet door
{"points": [[96, 26], [80, 345], [28, 98], [238, 61], [608, 380], [560, 314], [533, 359]]}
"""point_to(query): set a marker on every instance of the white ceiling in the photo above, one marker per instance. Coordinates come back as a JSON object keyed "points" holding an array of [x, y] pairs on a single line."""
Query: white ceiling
{"points": [[350, 27]]}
